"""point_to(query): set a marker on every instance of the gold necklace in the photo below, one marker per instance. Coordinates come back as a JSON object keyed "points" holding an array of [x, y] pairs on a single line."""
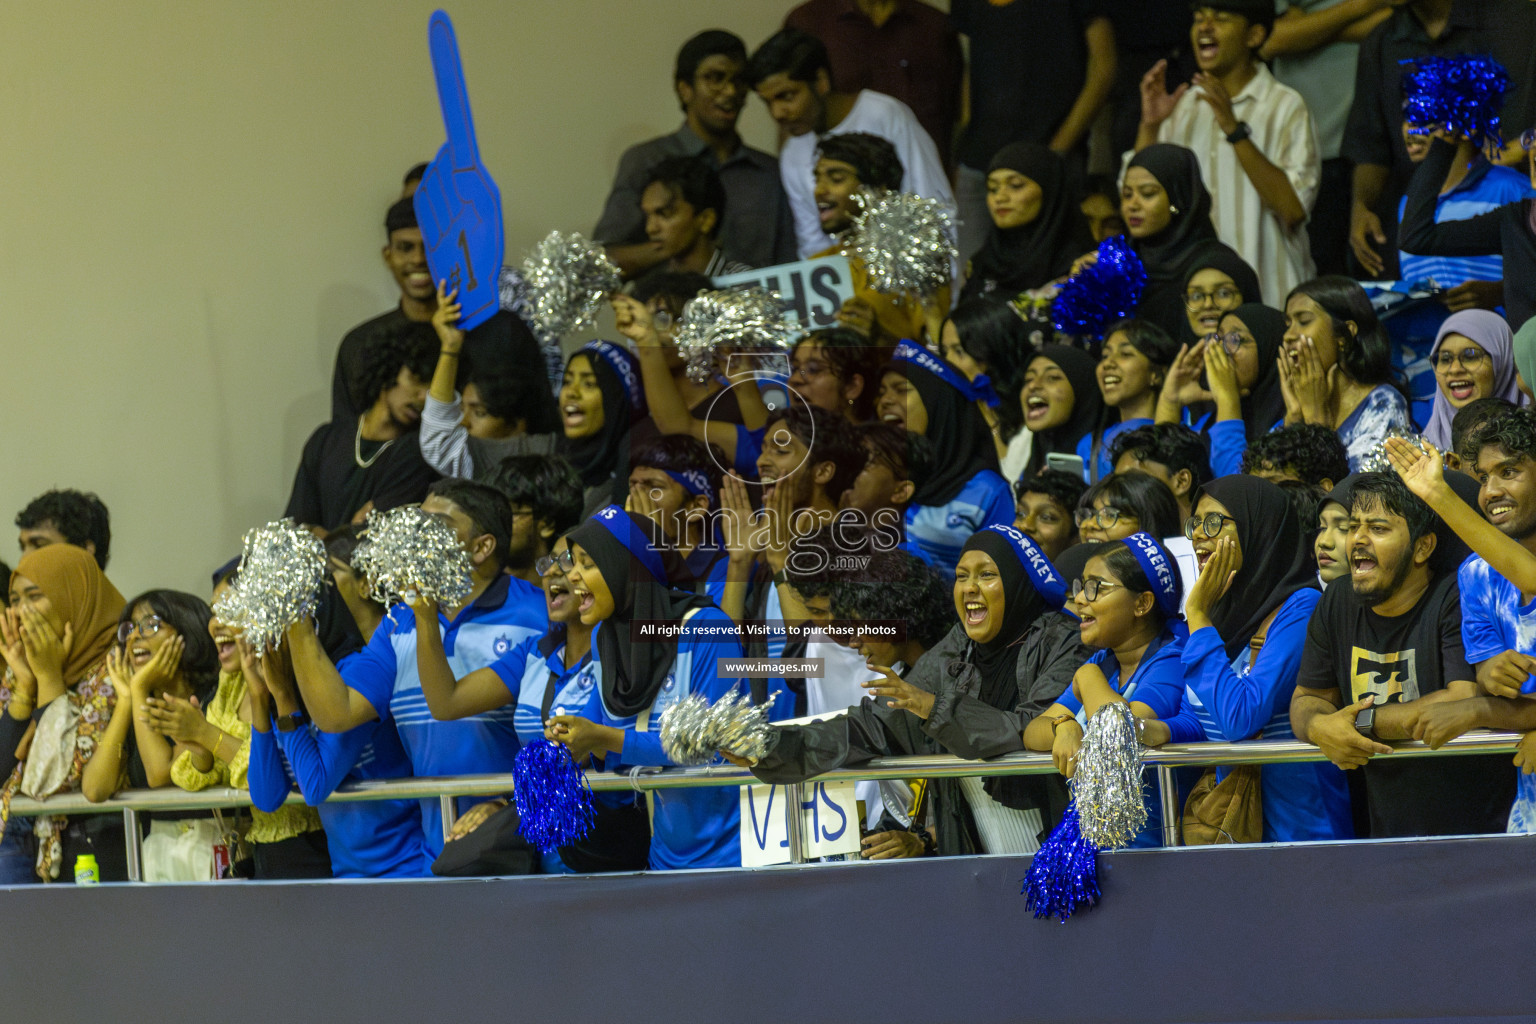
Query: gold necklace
{"points": [[357, 447]]}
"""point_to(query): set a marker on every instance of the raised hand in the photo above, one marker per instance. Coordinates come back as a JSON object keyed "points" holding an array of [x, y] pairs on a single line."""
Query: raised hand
{"points": [[1312, 385], [14, 651], [1211, 585], [898, 693], [1157, 102], [1423, 471], [445, 321], [858, 316], [736, 517], [634, 319], [1218, 99], [47, 650], [583, 736], [177, 719], [160, 670], [1221, 374], [120, 673], [457, 204], [1181, 386]]}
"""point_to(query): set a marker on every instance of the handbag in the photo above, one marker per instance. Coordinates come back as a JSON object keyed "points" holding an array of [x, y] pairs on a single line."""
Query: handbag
{"points": [[494, 848], [1231, 810]]}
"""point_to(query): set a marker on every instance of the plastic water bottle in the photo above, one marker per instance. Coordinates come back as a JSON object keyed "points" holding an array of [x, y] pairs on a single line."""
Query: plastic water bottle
{"points": [[86, 871]]}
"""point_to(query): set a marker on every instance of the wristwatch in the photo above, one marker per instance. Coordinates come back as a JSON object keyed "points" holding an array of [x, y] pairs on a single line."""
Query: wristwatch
{"points": [[1241, 132], [288, 723], [1365, 722]]}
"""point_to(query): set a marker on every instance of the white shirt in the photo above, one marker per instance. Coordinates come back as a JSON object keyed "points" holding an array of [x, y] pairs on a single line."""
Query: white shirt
{"points": [[1283, 131], [876, 114]]}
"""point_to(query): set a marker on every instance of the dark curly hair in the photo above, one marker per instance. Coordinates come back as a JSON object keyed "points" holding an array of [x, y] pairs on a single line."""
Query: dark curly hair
{"points": [[1311, 451], [1170, 444], [872, 158], [409, 347], [1065, 489], [1494, 423], [79, 515], [1387, 492], [692, 180], [548, 484], [898, 587], [188, 615], [850, 355], [829, 437], [909, 456], [680, 452]]}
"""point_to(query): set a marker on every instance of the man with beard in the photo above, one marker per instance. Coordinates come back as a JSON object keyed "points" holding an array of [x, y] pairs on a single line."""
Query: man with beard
{"points": [[1390, 638]]}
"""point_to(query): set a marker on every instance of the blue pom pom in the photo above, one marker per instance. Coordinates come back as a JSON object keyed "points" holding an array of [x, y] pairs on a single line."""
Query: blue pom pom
{"points": [[1102, 293], [554, 802], [1461, 94], [1064, 875]]}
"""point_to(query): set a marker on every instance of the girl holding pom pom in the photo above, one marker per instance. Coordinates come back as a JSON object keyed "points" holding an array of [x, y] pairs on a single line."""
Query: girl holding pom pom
{"points": [[625, 581], [1127, 603]]}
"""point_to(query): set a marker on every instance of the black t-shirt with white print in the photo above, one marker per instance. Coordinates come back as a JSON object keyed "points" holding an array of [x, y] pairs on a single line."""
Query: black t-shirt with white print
{"points": [[1403, 658]]}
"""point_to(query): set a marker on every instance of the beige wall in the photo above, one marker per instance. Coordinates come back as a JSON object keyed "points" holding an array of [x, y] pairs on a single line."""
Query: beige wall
{"points": [[192, 215]]}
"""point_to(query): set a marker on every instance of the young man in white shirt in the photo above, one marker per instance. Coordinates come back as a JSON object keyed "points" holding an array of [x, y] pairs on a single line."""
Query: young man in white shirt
{"points": [[1254, 139], [792, 74]]}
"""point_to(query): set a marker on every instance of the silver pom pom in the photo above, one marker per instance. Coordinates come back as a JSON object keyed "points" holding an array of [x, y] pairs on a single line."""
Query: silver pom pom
{"points": [[282, 568], [1376, 461], [407, 553], [693, 730], [904, 241], [566, 280], [1107, 783], [749, 319]]}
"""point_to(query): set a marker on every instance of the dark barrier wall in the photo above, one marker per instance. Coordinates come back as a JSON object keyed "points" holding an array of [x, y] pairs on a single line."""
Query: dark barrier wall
{"points": [[1374, 931]]}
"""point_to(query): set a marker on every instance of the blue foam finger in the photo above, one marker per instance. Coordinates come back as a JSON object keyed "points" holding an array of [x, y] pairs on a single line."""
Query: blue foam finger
{"points": [[457, 203]]}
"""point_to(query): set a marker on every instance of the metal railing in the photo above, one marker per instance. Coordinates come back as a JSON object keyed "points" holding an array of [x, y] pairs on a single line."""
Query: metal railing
{"points": [[129, 803]]}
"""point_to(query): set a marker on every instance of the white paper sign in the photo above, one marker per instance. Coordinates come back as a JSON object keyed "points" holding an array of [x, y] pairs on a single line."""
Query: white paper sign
{"points": [[829, 822], [814, 290]]}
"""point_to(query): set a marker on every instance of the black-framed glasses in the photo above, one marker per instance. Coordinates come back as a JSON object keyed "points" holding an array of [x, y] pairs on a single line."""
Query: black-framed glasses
{"points": [[1231, 341], [1470, 358], [1091, 588], [561, 561], [145, 627], [1223, 294], [1210, 525], [1104, 518]]}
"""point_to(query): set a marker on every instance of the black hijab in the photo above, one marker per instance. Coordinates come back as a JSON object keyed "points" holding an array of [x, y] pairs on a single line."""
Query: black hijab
{"points": [[1087, 405], [1264, 404], [1019, 259], [643, 574], [956, 429], [1032, 586], [598, 457], [1169, 254], [1269, 537], [1228, 262]]}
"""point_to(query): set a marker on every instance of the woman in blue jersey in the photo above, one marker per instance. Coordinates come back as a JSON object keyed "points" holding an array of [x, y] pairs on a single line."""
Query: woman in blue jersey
{"points": [[1132, 366], [965, 492], [1248, 615], [542, 674], [622, 575], [1127, 604]]}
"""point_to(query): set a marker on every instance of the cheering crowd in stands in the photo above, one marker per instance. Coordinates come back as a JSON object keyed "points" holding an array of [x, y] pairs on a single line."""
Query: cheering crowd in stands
{"points": [[1190, 514]]}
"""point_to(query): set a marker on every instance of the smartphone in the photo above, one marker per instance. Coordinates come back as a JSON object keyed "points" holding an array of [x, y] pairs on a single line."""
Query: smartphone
{"points": [[1064, 463]]}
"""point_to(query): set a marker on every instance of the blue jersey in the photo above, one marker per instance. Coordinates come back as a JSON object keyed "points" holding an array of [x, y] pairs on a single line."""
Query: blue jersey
{"points": [[1485, 188], [940, 531], [1096, 469], [534, 668], [1158, 683], [1238, 699], [509, 612], [1495, 619], [690, 828]]}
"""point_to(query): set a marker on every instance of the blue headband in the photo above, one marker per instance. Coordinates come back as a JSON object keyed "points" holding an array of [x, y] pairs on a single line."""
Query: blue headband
{"points": [[976, 390], [1047, 581], [1159, 570], [694, 482], [617, 522], [623, 365]]}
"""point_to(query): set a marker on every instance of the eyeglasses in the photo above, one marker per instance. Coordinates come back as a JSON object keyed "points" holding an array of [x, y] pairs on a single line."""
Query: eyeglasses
{"points": [[146, 627], [1470, 358], [1104, 518], [662, 319], [562, 561], [1223, 295], [1090, 589], [1210, 525], [1231, 341], [1528, 139]]}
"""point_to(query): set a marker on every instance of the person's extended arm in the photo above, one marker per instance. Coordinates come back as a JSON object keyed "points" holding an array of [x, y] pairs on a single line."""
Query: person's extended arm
{"points": [[98, 781], [443, 439], [1099, 34], [1440, 722], [333, 705], [1424, 475], [1297, 31], [1243, 704], [1420, 235], [449, 698], [1273, 183], [662, 397], [866, 731], [1317, 718], [1399, 720]]}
